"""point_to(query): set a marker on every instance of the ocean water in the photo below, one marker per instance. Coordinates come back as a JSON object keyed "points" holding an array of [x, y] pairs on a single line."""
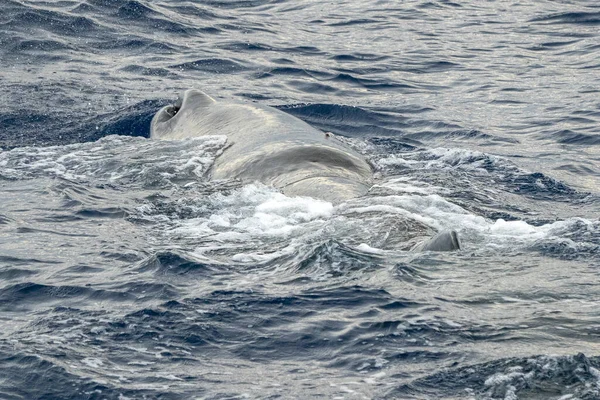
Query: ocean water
{"points": [[125, 273]]}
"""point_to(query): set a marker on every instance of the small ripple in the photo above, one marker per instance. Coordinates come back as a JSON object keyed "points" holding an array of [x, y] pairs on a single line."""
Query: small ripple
{"points": [[374, 84], [55, 22], [313, 87], [359, 57], [35, 45], [332, 260], [242, 28], [35, 231], [4, 219], [577, 18], [408, 273], [146, 71], [134, 13], [30, 295], [431, 67], [567, 136], [440, 4], [109, 212], [10, 274], [306, 50], [552, 45], [349, 120], [139, 45], [212, 65], [12, 261], [247, 47], [292, 71], [134, 10], [358, 21], [145, 290], [193, 10], [236, 4], [343, 77], [172, 263]]}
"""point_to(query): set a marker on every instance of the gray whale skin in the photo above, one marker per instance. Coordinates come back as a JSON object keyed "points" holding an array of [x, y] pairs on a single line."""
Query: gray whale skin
{"points": [[275, 148]]}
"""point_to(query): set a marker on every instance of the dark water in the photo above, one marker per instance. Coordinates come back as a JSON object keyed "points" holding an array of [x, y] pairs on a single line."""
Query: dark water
{"points": [[126, 274]]}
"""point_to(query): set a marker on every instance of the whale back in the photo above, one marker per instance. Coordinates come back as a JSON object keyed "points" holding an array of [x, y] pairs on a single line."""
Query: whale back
{"points": [[269, 146]]}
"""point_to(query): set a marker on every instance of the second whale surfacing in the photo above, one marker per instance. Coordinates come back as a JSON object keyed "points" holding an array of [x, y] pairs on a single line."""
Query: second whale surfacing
{"points": [[267, 145]]}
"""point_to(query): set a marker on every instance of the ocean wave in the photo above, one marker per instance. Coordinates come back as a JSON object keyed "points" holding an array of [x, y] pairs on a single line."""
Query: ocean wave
{"points": [[128, 273], [562, 377]]}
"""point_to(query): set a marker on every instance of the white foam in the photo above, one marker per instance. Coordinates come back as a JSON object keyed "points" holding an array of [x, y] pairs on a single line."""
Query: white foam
{"points": [[254, 214], [92, 362], [431, 210], [365, 248], [444, 158], [280, 215], [435, 211], [115, 158], [257, 210], [396, 160], [512, 228]]}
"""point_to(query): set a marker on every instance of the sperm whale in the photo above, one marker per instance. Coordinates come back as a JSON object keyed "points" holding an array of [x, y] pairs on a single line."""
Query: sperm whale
{"points": [[277, 149]]}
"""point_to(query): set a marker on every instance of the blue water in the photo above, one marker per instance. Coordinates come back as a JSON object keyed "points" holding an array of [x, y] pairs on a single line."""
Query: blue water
{"points": [[125, 273]]}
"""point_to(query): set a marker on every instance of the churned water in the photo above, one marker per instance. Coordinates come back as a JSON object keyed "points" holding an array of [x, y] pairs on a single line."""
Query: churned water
{"points": [[125, 273]]}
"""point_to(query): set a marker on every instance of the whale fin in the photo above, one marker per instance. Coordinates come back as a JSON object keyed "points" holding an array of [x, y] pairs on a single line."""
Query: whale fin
{"points": [[443, 241]]}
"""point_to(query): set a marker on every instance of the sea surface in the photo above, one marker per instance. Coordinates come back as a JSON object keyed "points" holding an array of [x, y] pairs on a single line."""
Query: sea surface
{"points": [[126, 273]]}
